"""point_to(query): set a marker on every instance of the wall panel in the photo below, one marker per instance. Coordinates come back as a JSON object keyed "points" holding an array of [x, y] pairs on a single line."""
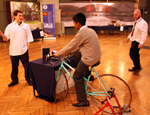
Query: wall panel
{"points": [[3, 19]]}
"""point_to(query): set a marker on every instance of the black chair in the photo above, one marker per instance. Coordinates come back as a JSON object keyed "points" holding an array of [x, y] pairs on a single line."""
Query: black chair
{"points": [[36, 34]]}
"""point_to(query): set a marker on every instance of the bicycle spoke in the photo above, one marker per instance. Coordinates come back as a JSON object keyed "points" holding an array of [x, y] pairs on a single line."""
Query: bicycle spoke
{"points": [[119, 93]]}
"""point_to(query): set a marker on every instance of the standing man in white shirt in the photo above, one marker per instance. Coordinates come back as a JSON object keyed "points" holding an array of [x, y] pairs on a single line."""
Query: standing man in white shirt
{"points": [[20, 37], [137, 36]]}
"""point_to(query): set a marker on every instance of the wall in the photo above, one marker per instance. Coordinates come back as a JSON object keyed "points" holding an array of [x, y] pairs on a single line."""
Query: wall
{"points": [[143, 4], [3, 14]]}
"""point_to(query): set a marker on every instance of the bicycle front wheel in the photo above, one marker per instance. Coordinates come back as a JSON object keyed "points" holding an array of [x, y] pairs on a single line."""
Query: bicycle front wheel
{"points": [[117, 88], [61, 87]]}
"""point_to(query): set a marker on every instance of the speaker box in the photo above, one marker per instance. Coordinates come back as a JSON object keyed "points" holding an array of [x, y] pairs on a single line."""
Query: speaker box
{"points": [[45, 52]]}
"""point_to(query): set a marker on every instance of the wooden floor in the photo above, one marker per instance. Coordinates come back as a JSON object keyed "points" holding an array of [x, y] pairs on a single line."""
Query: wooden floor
{"points": [[19, 99]]}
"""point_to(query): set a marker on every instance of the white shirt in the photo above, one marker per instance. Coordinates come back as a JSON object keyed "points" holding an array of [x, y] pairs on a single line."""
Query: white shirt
{"points": [[82, 27], [19, 36], [140, 31]]}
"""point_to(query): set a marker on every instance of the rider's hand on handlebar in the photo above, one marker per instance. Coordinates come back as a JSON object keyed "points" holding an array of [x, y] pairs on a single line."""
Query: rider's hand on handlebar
{"points": [[56, 54]]}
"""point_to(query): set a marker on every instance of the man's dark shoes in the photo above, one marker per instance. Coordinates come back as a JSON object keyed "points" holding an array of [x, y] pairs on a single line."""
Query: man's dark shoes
{"points": [[12, 83], [137, 71], [81, 104], [30, 83], [133, 69]]}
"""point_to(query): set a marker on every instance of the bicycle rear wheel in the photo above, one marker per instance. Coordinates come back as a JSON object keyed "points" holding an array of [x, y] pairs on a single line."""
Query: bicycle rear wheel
{"points": [[117, 88], [61, 87]]}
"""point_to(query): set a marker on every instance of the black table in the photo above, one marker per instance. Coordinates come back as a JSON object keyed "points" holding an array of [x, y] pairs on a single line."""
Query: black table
{"points": [[36, 34], [108, 28], [43, 77]]}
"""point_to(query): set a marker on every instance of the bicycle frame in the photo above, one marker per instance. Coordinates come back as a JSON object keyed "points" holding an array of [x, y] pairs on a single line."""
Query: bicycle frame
{"points": [[101, 81], [104, 93]]}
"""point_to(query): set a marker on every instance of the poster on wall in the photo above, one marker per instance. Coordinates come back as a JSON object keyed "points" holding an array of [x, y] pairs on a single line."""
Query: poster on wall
{"points": [[99, 14], [49, 21], [31, 12]]}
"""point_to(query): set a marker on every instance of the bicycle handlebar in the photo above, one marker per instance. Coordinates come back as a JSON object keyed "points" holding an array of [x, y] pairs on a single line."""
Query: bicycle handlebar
{"points": [[66, 57]]}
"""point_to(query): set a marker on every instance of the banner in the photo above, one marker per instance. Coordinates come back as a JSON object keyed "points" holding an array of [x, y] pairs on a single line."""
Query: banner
{"points": [[49, 21], [99, 14]]}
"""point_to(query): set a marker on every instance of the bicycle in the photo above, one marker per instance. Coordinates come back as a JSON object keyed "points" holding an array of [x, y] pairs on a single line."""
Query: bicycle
{"points": [[109, 92]]}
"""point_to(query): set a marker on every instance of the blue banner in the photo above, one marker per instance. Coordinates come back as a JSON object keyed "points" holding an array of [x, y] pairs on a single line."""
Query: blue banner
{"points": [[49, 20]]}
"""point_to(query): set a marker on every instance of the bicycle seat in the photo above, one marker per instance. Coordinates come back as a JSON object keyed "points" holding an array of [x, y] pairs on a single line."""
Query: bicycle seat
{"points": [[96, 64]]}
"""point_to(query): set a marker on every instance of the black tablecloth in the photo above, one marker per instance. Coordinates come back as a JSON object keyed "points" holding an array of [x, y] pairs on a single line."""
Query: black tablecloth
{"points": [[43, 76], [36, 34], [111, 28]]}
